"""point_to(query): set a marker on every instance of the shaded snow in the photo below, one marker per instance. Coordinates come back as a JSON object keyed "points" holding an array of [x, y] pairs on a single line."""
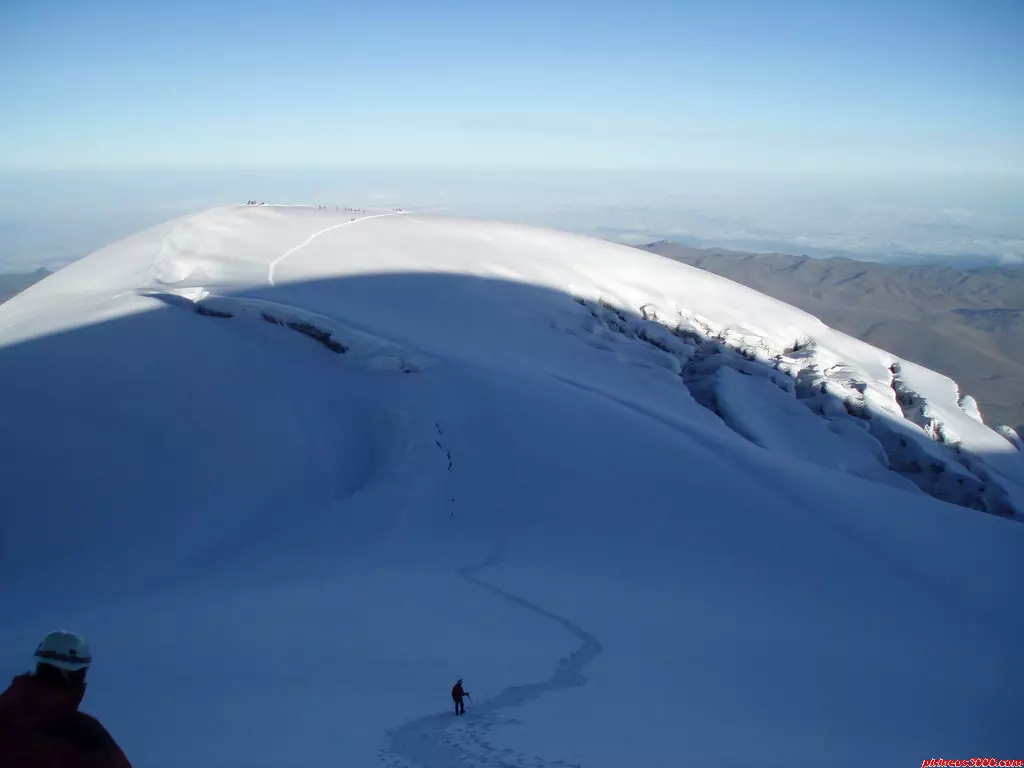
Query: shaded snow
{"points": [[767, 416], [676, 471]]}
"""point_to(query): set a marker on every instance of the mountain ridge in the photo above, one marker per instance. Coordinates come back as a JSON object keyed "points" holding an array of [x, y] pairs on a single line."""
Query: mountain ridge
{"points": [[11, 284], [967, 324], [424, 449]]}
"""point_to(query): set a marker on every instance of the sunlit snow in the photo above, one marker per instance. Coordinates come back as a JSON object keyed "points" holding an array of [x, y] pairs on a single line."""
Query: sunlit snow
{"points": [[294, 471]]}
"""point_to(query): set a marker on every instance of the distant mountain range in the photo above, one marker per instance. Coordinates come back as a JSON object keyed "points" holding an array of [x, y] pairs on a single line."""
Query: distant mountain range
{"points": [[13, 284], [968, 324]]}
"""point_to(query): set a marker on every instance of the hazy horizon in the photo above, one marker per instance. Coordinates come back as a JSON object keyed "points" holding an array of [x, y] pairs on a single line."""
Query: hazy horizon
{"points": [[49, 218], [875, 130]]}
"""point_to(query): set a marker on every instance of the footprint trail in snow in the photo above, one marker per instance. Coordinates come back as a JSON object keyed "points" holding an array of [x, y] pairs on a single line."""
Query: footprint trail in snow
{"points": [[441, 741]]}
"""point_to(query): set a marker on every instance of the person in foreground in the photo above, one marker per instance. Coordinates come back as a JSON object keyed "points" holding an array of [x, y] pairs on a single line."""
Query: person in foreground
{"points": [[40, 725]]}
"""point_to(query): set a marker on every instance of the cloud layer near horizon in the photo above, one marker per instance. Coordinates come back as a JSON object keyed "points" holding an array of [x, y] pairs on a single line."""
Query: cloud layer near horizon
{"points": [[49, 219]]}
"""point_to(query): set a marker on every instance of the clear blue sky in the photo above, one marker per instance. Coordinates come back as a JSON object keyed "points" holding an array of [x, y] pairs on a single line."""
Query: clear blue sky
{"points": [[720, 85]]}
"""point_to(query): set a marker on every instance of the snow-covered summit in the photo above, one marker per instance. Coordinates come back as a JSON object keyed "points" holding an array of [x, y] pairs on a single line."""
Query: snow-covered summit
{"points": [[684, 324], [428, 448]]}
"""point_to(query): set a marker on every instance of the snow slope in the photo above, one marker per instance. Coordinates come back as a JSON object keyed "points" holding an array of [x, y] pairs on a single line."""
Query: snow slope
{"points": [[294, 471]]}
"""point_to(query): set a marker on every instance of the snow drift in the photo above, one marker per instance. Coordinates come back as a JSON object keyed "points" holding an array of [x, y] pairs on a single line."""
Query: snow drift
{"points": [[294, 471]]}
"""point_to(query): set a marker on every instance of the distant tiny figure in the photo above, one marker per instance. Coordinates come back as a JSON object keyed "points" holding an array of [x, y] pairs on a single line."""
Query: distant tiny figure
{"points": [[458, 694], [40, 725]]}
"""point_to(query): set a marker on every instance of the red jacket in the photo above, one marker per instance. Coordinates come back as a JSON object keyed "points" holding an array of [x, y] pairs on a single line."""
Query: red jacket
{"points": [[41, 727], [457, 692]]}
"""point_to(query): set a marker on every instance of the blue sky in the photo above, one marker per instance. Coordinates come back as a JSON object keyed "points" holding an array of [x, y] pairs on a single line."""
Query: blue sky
{"points": [[931, 87]]}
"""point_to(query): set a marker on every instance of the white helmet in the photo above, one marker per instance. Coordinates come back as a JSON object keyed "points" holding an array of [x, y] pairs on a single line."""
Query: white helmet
{"points": [[64, 650]]}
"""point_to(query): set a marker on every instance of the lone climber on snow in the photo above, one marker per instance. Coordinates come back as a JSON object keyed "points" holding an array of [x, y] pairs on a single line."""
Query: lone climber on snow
{"points": [[458, 694]]}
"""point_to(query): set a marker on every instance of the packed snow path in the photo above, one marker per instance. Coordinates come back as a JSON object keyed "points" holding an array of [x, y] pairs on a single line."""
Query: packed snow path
{"points": [[444, 741], [314, 236]]}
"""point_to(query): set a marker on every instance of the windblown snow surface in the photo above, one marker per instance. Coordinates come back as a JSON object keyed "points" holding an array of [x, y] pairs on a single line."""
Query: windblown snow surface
{"points": [[293, 472]]}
